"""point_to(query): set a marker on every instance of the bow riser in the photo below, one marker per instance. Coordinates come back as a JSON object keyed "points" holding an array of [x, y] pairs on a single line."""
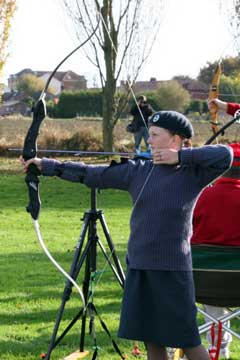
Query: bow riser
{"points": [[34, 204], [30, 143], [29, 152], [213, 94]]}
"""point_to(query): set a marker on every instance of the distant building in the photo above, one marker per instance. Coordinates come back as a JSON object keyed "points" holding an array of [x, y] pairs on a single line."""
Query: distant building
{"points": [[14, 107], [143, 86], [62, 80], [197, 89], [12, 100], [12, 104]]}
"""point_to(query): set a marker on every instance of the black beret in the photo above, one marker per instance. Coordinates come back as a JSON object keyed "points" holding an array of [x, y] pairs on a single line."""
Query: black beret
{"points": [[172, 121]]}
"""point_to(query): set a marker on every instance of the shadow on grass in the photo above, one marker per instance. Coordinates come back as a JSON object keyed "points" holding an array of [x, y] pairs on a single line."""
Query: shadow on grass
{"points": [[28, 293], [21, 349], [29, 286]]}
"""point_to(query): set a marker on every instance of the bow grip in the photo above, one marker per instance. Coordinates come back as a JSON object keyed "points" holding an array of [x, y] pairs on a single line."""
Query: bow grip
{"points": [[34, 205], [213, 111], [32, 169]]}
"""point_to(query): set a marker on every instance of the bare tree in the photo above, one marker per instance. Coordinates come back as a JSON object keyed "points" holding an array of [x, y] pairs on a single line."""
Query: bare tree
{"points": [[122, 43], [7, 9], [231, 10]]}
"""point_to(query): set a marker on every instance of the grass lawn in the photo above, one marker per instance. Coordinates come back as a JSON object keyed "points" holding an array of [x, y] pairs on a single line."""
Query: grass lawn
{"points": [[32, 288]]}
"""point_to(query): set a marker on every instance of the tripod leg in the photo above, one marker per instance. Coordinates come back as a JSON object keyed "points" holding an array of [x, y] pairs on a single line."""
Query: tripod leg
{"points": [[107, 257], [115, 346], [91, 263], [90, 255], [86, 283], [112, 249], [68, 287]]}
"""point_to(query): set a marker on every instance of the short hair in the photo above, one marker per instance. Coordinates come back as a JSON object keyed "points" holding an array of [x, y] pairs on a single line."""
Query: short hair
{"points": [[142, 98]]}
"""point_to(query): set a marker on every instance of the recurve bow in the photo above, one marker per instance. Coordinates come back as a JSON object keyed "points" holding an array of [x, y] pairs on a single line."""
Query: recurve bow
{"points": [[30, 151], [213, 94]]}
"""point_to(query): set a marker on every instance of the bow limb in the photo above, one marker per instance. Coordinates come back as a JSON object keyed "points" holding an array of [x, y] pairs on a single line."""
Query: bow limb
{"points": [[30, 142], [30, 151], [73, 282], [32, 181], [213, 94]]}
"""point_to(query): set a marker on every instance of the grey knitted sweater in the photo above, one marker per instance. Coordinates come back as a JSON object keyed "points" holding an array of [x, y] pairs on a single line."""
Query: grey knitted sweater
{"points": [[161, 220]]}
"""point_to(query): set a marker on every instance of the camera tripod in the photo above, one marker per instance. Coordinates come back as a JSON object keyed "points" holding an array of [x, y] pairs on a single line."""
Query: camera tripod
{"points": [[87, 254]]}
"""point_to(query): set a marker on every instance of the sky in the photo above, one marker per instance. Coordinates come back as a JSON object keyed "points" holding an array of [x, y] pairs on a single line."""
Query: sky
{"points": [[192, 33]]}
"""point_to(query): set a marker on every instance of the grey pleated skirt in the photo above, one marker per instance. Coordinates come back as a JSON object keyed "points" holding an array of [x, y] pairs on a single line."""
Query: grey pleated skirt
{"points": [[158, 307]]}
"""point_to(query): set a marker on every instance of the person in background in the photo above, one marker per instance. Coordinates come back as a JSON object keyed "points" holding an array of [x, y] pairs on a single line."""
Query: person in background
{"points": [[216, 214], [216, 222], [215, 219], [141, 114], [158, 306]]}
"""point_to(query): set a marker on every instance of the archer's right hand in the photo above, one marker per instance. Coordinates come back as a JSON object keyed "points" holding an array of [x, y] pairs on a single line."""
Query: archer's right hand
{"points": [[222, 105]]}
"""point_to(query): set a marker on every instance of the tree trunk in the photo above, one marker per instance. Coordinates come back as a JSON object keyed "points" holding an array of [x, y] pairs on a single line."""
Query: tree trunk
{"points": [[109, 89], [123, 34], [108, 112]]}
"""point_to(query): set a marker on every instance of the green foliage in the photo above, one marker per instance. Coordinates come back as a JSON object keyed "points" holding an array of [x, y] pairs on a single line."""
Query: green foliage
{"points": [[30, 86], [51, 109], [230, 68], [229, 86], [206, 73], [86, 103], [81, 103], [197, 106], [171, 95]]}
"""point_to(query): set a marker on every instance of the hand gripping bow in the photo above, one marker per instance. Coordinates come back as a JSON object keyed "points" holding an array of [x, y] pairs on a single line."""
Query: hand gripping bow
{"points": [[30, 151]]}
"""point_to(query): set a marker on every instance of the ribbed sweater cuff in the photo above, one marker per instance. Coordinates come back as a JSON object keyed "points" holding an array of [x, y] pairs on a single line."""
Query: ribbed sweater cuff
{"points": [[185, 156]]}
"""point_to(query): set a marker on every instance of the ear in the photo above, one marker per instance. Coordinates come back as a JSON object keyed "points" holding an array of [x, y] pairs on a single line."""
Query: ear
{"points": [[177, 139]]}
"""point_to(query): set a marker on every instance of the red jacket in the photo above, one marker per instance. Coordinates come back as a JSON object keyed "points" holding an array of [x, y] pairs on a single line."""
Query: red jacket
{"points": [[232, 108], [216, 217]]}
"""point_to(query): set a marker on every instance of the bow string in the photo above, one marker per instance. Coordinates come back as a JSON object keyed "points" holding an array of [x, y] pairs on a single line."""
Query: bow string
{"points": [[30, 151], [144, 122], [30, 142]]}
